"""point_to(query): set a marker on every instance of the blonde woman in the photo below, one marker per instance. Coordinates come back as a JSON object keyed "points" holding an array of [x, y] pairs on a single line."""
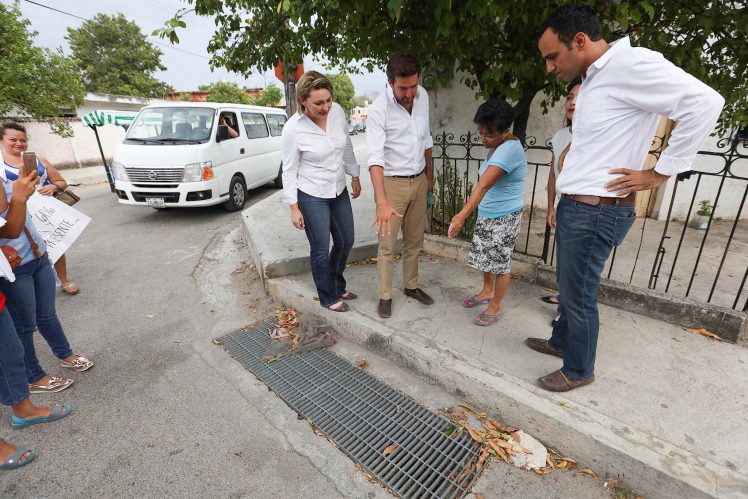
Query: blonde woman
{"points": [[317, 154]]}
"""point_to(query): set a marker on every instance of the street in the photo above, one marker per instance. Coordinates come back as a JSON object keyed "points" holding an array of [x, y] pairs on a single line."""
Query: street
{"points": [[165, 412]]}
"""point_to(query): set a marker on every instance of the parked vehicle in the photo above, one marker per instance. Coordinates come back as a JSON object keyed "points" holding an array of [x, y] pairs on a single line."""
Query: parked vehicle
{"points": [[352, 129], [198, 154]]}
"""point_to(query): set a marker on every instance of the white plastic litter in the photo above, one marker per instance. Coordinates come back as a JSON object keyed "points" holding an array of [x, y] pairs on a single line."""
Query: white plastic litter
{"points": [[537, 456]]}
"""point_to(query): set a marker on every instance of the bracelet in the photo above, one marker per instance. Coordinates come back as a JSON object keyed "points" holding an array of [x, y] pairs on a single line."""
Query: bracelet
{"points": [[355, 178]]}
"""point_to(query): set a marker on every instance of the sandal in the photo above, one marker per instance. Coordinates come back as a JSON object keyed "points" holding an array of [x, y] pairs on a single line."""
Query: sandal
{"points": [[341, 307], [80, 364], [58, 412], [54, 385], [17, 460], [71, 288], [348, 296], [485, 319], [471, 301], [553, 299]]}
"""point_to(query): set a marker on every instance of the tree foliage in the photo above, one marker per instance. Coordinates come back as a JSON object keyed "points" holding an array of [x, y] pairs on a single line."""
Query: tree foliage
{"points": [[271, 96], [493, 43], [343, 91], [115, 57], [223, 91], [35, 80]]}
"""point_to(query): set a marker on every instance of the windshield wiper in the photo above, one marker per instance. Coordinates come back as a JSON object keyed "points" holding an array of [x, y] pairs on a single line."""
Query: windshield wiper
{"points": [[174, 139]]}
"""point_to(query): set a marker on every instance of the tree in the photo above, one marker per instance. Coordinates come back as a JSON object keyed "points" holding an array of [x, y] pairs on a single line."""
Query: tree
{"points": [[343, 91], [35, 80], [223, 91], [494, 43], [360, 100], [115, 57], [271, 96]]}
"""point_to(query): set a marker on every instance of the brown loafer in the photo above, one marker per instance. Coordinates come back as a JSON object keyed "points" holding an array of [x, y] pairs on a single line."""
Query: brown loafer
{"points": [[420, 295], [558, 382], [541, 345], [384, 309]]}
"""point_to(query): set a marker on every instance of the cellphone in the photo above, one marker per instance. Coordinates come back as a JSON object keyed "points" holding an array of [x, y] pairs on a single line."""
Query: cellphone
{"points": [[28, 159]]}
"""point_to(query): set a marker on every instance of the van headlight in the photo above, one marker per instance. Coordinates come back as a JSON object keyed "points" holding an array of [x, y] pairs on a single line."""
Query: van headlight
{"points": [[119, 172], [196, 172]]}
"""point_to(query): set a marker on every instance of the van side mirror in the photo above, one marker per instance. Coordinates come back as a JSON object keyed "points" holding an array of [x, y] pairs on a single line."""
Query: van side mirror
{"points": [[223, 133]]}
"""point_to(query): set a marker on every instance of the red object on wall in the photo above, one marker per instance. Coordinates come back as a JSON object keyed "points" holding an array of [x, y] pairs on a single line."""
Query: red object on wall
{"points": [[296, 75]]}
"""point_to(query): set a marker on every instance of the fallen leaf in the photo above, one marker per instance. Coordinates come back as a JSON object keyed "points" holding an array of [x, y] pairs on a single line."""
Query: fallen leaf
{"points": [[177, 341], [704, 332], [465, 473], [475, 435], [612, 482], [315, 298], [677, 339], [362, 364], [566, 405], [589, 472], [239, 270], [215, 341], [239, 454], [479, 495], [389, 450], [150, 316], [550, 462]]}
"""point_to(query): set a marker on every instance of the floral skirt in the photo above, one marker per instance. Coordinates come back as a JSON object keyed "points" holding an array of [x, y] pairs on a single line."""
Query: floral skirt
{"points": [[493, 243]]}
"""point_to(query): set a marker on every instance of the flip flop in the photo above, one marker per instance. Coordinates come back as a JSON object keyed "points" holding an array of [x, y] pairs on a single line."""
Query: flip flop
{"points": [[16, 460], [71, 288], [471, 302], [343, 307], [348, 296], [485, 319], [553, 299], [56, 414]]}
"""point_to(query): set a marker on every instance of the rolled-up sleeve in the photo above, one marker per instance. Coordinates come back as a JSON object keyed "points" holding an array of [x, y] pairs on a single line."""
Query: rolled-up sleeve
{"points": [[375, 135], [659, 86], [290, 151]]}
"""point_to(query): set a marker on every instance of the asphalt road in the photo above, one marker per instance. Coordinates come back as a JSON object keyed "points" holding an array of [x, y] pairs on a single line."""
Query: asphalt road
{"points": [[165, 412]]}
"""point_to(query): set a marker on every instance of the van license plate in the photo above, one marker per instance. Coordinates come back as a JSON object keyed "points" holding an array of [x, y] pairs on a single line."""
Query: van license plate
{"points": [[155, 202]]}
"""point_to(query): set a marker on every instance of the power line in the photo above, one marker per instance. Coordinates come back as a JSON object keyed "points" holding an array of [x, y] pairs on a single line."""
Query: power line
{"points": [[149, 38]]}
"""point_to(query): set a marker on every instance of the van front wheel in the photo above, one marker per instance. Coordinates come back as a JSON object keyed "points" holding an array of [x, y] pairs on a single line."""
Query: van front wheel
{"points": [[237, 194]]}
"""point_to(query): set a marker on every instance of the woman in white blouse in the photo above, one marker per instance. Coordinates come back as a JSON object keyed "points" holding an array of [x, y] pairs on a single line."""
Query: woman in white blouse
{"points": [[317, 154]]}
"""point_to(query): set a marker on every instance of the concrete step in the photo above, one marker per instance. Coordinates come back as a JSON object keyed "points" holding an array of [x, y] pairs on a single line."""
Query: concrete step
{"points": [[667, 413]]}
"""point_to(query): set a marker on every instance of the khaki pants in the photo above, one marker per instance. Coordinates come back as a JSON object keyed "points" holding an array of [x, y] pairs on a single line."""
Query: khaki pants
{"points": [[408, 197]]}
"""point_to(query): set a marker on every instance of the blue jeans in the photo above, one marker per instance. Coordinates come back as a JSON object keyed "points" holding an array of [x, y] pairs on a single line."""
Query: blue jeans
{"points": [[324, 217], [586, 235], [31, 303], [13, 385]]}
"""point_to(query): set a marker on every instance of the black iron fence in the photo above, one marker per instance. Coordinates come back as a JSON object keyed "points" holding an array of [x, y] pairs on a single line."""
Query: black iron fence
{"points": [[692, 241]]}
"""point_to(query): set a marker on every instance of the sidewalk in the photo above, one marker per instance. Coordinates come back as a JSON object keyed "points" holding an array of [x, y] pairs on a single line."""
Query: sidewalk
{"points": [[85, 176], [668, 413]]}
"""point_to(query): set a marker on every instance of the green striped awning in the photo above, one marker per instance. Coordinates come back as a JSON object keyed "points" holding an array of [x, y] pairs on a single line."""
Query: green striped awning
{"points": [[104, 117]]}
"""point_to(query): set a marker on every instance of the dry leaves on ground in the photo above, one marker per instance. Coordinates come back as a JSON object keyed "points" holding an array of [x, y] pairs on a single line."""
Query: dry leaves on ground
{"points": [[362, 364], [389, 450], [366, 474], [287, 318], [704, 332]]}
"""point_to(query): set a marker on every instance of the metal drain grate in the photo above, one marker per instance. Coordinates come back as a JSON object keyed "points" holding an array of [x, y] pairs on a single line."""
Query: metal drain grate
{"points": [[363, 417]]}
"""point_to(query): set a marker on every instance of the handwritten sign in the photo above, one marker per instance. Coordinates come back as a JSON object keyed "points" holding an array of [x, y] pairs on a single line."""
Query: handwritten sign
{"points": [[59, 224]]}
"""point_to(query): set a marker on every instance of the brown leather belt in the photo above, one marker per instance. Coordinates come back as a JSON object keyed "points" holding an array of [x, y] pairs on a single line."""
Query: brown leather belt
{"points": [[596, 200]]}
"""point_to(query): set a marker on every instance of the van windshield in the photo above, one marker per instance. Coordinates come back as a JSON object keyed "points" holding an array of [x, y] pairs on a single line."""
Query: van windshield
{"points": [[171, 125]]}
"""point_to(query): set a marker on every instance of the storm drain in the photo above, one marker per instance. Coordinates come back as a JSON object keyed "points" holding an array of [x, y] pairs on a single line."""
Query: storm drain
{"points": [[390, 435]]}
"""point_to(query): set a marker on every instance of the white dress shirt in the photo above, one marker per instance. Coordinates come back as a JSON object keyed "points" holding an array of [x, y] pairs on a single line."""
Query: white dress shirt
{"points": [[617, 111], [314, 160], [397, 139]]}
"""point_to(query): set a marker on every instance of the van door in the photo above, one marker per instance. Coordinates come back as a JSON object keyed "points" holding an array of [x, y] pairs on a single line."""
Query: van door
{"points": [[263, 160], [275, 123], [227, 155]]}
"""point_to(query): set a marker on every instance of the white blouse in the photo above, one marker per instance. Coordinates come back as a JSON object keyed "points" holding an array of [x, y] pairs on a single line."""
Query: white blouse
{"points": [[314, 160]]}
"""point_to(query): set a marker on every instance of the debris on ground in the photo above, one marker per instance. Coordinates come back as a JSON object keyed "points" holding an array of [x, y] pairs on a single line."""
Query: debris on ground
{"points": [[362, 364], [290, 334], [704, 332], [537, 456]]}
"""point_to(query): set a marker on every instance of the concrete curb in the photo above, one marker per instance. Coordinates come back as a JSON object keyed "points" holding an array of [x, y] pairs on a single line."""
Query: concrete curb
{"points": [[729, 324], [656, 467]]}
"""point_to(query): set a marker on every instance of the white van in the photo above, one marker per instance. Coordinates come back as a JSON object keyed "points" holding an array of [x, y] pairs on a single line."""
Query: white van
{"points": [[198, 154]]}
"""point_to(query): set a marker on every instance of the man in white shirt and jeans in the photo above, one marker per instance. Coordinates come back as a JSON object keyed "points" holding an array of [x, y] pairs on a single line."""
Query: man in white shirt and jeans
{"points": [[624, 92], [399, 143]]}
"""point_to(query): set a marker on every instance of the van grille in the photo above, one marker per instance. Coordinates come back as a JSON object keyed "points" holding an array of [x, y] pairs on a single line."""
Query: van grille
{"points": [[155, 175]]}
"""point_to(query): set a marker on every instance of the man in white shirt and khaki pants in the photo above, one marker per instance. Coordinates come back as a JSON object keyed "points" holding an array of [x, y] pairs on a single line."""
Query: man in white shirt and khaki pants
{"points": [[624, 92], [399, 143]]}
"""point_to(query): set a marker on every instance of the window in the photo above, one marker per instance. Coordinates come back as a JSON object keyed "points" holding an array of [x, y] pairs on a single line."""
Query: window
{"points": [[170, 125], [276, 122], [254, 124], [227, 118]]}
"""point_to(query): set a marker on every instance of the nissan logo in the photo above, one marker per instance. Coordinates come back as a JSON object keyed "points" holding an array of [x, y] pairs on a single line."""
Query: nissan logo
{"points": [[152, 175]]}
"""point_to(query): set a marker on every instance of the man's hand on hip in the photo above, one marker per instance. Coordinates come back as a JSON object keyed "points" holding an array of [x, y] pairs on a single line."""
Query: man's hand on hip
{"points": [[382, 219], [633, 180]]}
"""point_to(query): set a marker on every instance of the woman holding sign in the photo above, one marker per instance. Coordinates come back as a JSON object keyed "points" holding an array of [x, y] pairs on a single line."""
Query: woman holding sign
{"points": [[14, 143], [30, 299], [14, 388]]}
